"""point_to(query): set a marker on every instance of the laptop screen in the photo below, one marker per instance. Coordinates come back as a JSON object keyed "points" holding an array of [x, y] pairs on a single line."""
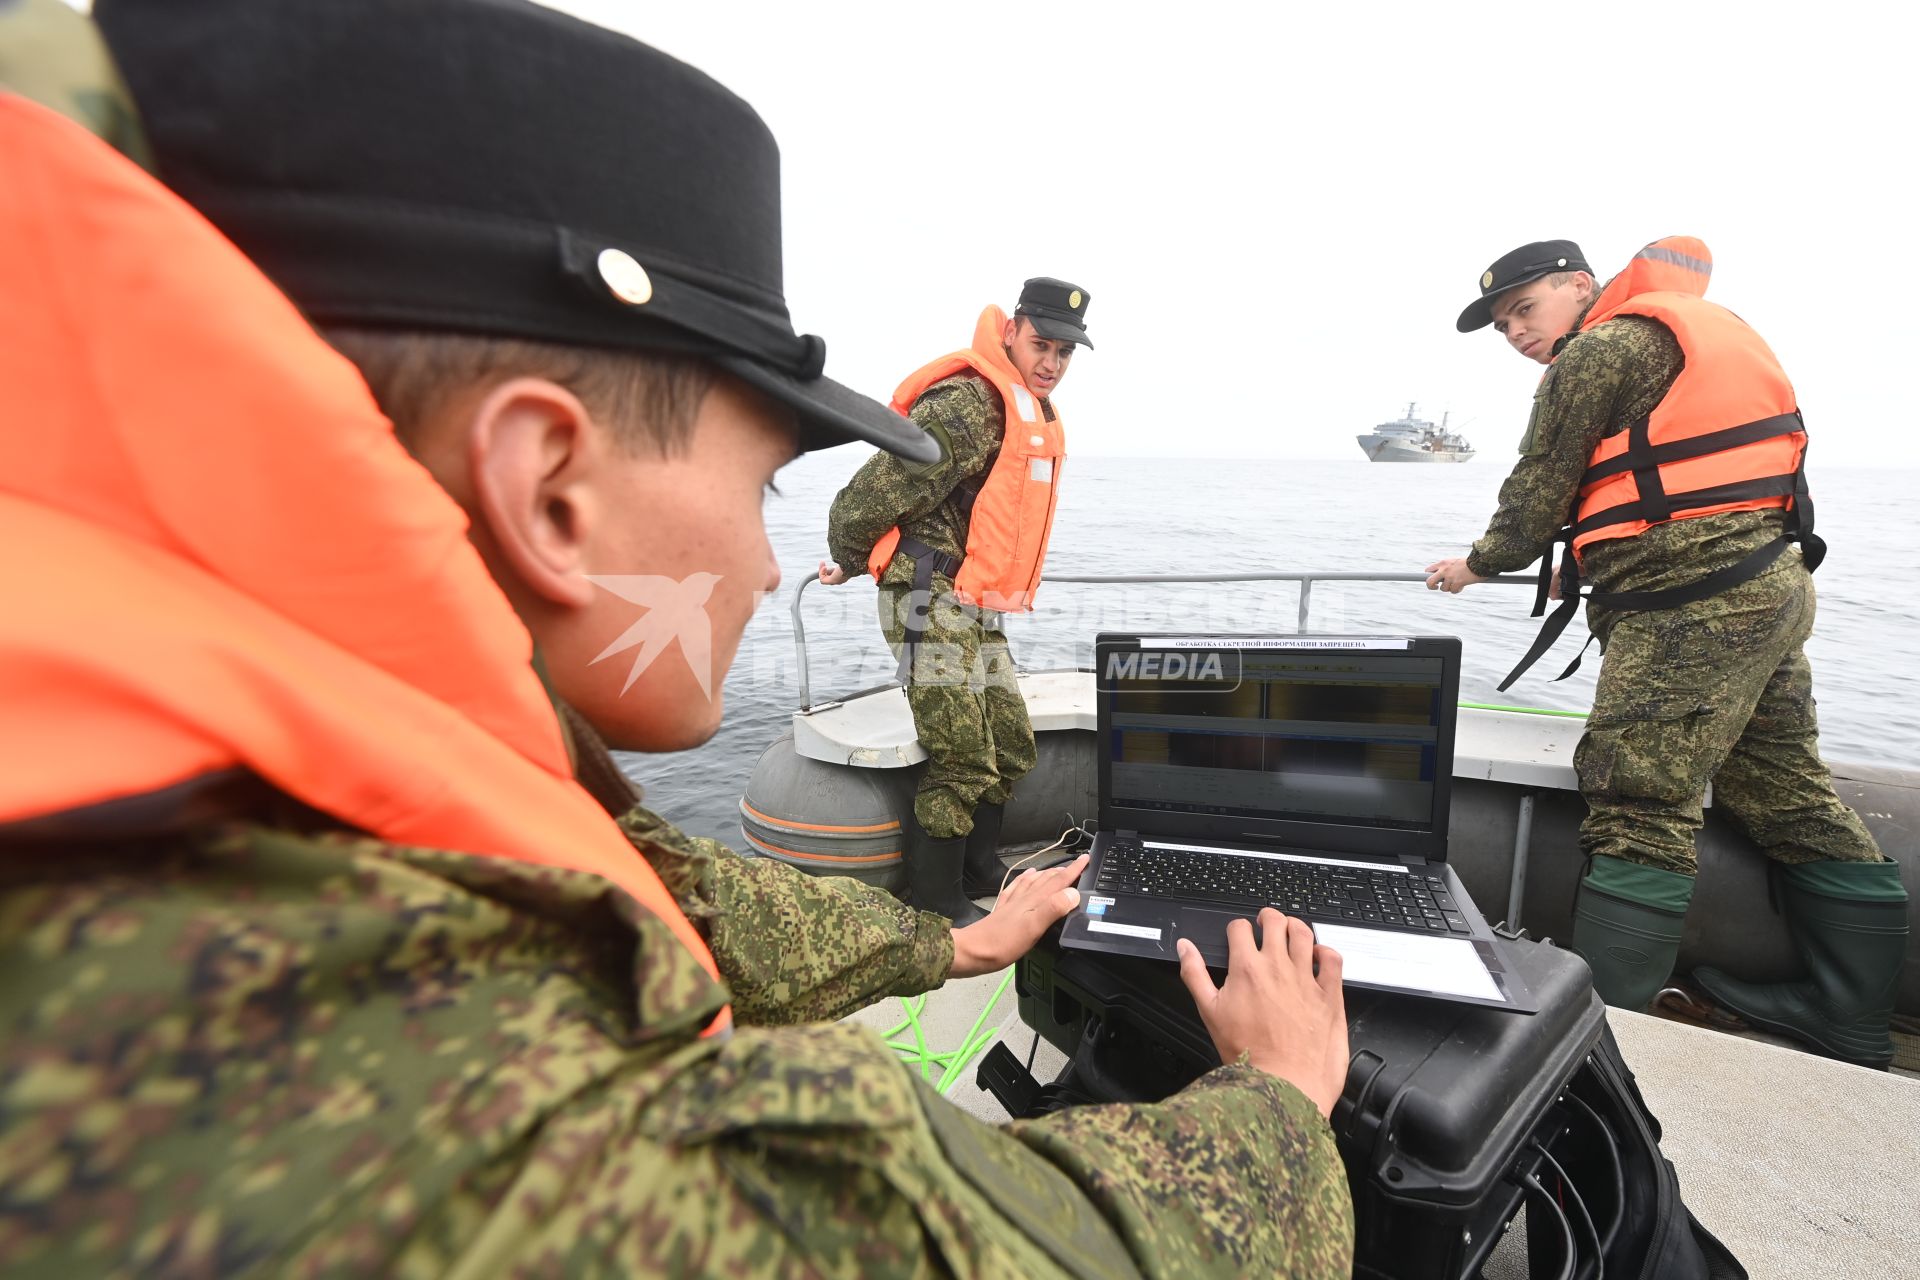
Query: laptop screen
{"points": [[1336, 743]]}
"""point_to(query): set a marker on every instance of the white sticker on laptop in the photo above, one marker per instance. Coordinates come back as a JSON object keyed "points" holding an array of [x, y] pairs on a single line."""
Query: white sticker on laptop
{"points": [[1275, 642], [1130, 930], [1098, 906], [1410, 962]]}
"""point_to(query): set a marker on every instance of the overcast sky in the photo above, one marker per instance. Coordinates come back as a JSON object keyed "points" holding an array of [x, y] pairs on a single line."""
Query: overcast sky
{"points": [[1279, 210]]}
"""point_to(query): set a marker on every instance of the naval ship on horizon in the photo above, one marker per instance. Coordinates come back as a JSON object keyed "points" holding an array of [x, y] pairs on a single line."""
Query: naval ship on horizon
{"points": [[1412, 439]]}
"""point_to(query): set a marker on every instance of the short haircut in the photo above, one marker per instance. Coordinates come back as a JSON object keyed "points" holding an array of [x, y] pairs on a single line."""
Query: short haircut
{"points": [[647, 400]]}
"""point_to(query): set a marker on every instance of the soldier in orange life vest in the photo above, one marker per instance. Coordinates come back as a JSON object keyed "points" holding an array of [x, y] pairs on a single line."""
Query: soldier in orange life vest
{"points": [[953, 545], [1665, 449], [333, 941]]}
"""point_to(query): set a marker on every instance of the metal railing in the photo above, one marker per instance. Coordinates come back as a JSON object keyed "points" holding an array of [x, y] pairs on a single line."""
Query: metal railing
{"points": [[1306, 579]]}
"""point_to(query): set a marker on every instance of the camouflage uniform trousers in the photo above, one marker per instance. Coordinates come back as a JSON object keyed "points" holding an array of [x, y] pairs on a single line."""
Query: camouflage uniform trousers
{"points": [[967, 709], [1721, 691]]}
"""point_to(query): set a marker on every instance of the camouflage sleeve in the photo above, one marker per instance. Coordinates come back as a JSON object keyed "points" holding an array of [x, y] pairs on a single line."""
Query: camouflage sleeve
{"points": [[794, 947], [55, 56], [1236, 1174], [1613, 367], [266, 1054], [964, 416]]}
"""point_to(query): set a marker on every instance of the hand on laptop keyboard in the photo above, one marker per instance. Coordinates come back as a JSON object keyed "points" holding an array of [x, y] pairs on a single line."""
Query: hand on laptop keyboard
{"points": [[1026, 908], [1289, 1021]]}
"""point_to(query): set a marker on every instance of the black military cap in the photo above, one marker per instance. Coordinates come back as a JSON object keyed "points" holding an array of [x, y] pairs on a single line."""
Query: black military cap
{"points": [[1056, 309], [490, 167], [1524, 265]]}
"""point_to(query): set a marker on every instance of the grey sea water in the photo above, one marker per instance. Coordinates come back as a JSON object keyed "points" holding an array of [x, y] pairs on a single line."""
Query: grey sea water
{"points": [[1174, 515]]}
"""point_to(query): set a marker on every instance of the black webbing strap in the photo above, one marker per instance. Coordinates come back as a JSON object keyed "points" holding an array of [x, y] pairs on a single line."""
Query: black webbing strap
{"points": [[1697, 446], [1749, 566], [1655, 506], [1555, 624], [926, 563], [1813, 548], [1678, 504]]}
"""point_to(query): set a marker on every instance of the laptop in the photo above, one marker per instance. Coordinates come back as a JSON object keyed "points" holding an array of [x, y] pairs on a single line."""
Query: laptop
{"points": [[1313, 774]]}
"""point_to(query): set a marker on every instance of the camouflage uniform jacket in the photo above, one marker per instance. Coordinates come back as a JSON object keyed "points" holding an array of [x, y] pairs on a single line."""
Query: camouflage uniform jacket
{"points": [[1602, 381], [965, 415], [790, 946], [252, 1045], [53, 55]]}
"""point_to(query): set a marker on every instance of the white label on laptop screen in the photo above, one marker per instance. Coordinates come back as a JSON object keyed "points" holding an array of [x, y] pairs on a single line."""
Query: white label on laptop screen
{"points": [[1448, 966], [1274, 642]]}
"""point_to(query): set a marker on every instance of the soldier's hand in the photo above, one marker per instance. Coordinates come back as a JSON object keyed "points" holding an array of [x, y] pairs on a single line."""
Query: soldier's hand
{"points": [[1553, 588], [1027, 907], [1273, 1007], [831, 574], [1451, 576]]}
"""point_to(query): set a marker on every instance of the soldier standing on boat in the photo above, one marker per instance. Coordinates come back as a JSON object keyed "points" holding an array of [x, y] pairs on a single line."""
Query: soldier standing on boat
{"points": [[953, 545], [333, 942], [1665, 449]]}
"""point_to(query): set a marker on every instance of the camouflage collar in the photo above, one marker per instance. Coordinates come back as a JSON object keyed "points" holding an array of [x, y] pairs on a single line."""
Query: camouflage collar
{"points": [[1560, 343]]}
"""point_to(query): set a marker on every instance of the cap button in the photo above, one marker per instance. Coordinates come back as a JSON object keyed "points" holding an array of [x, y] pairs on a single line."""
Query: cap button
{"points": [[1073, 299], [1563, 262], [625, 278], [1486, 282]]}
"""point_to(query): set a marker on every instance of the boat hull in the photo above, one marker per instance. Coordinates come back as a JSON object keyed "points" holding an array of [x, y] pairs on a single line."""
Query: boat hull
{"points": [[1385, 450]]}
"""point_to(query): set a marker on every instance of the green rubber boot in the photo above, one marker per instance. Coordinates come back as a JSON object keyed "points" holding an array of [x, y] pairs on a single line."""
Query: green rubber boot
{"points": [[1627, 925], [1849, 923]]}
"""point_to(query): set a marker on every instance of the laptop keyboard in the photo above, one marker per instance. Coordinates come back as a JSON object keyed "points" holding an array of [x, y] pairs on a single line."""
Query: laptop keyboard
{"points": [[1346, 894]]}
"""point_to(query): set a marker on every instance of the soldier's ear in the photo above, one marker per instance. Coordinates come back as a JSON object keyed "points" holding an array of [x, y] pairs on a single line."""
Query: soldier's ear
{"points": [[530, 448], [1012, 331]]}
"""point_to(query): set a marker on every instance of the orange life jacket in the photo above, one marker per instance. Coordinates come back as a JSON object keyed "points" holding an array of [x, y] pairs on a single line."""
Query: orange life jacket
{"points": [[1012, 515], [1727, 436], [218, 556]]}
